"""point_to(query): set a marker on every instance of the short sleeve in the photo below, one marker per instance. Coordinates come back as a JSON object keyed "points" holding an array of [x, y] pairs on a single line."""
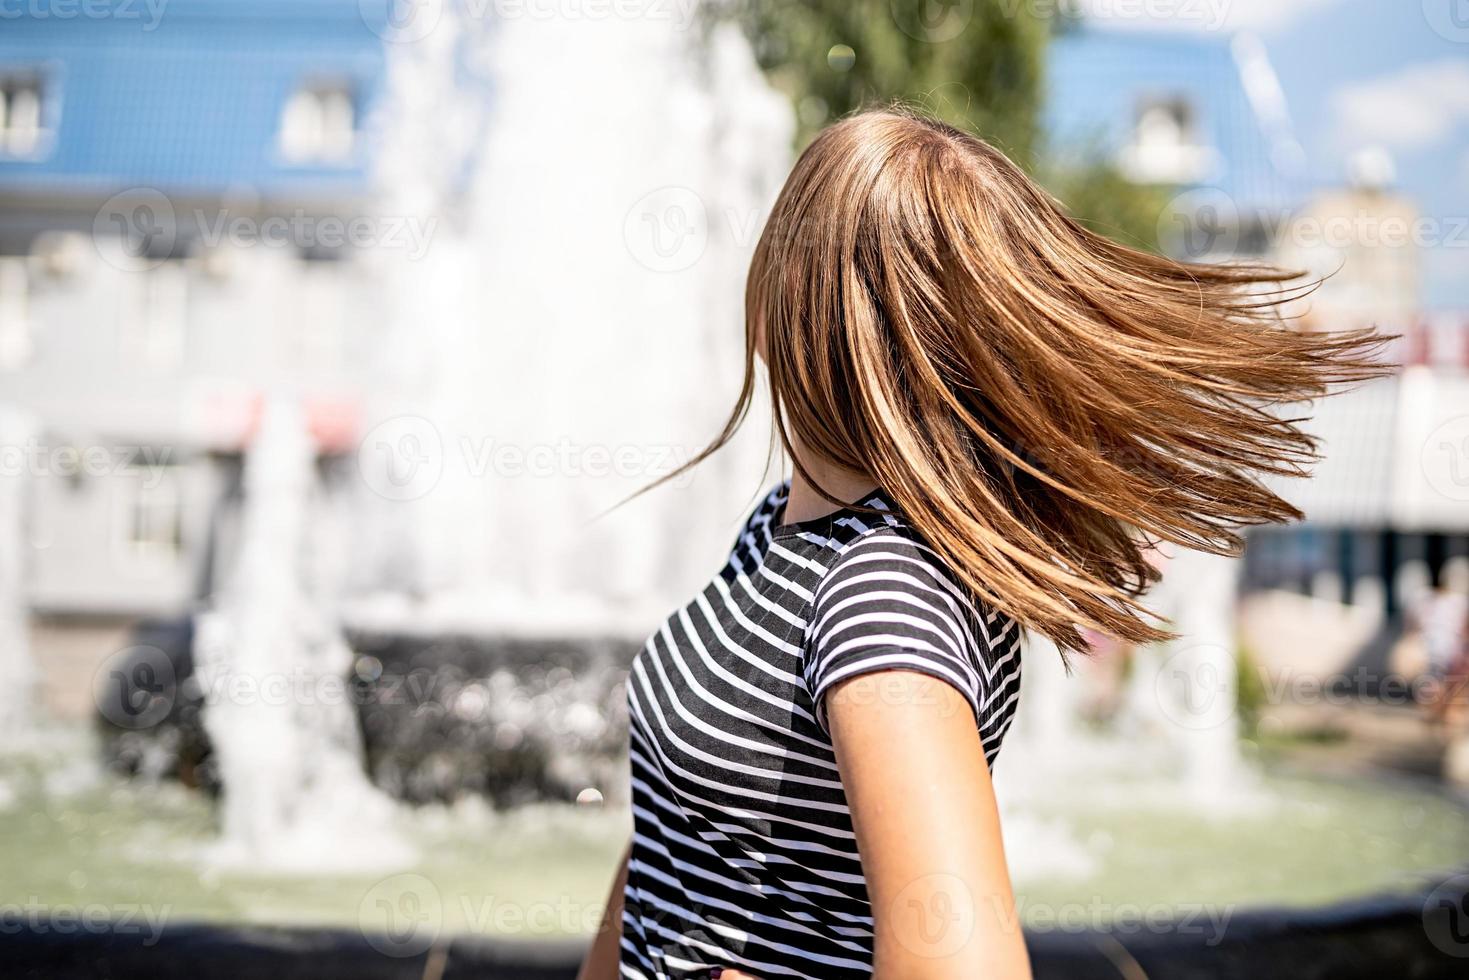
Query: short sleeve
{"points": [[888, 604]]}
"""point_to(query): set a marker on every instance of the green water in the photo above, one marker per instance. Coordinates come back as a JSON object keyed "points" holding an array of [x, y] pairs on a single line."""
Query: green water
{"points": [[125, 849], [1315, 842]]}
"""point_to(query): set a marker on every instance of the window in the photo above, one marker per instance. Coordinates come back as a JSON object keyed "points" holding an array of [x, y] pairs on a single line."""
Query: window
{"points": [[153, 331], [1166, 124], [152, 525], [319, 125], [321, 321], [1165, 146], [20, 115]]}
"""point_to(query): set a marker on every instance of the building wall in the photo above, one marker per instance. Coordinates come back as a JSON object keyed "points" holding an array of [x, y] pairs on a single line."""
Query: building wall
{"points": [[142, 381]]}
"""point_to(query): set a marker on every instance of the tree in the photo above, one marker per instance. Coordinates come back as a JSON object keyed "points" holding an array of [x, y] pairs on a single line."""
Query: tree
{"points": [[1099, 196], [974, 63], [977, 64]]}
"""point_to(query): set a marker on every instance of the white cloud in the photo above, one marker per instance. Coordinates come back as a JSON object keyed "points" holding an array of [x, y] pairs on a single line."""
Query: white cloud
{"points": [[1412, 109], [1199, 15]]}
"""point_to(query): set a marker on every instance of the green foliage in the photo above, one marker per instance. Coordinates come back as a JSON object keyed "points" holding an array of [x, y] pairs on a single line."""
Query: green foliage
{"points": [[978, 64], [973, 63], [1251, 692], [1101, 198]]}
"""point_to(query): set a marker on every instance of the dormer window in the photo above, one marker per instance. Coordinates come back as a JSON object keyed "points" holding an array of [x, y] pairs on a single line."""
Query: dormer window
{"points": [[20, 115], [1165, 146], [1165, 125], [319, 125]]}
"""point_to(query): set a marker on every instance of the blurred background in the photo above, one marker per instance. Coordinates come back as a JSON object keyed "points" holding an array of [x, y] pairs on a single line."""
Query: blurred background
{"points": [[331, 330]]}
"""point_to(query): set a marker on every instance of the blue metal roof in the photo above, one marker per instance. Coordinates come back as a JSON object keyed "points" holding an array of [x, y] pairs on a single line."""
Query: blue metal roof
{"points": [[1096, 79], [188, 100], [186, 95]]}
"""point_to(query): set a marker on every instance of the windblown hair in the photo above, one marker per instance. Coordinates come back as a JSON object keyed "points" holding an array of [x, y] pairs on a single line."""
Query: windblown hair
{"points": [[1043, 403]]}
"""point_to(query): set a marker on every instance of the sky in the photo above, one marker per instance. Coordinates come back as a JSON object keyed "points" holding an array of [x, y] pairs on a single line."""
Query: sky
{"points": [[1360, 73]]}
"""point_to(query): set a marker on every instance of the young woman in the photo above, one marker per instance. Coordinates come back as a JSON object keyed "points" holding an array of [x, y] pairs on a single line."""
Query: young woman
{"points": [[992, 414]]}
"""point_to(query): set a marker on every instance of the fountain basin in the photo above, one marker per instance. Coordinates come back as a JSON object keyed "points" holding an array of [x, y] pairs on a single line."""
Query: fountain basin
{"points": [[1388, 936], [1286, 874], [1336, 872], [509, 719]]}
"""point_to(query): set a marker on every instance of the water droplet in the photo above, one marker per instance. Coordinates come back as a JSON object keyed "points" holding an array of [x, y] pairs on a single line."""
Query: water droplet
{"points": [[841, 57]]}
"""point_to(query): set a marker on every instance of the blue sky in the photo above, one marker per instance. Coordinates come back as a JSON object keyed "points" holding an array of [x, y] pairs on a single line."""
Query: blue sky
{"points": [[1360, 73]]}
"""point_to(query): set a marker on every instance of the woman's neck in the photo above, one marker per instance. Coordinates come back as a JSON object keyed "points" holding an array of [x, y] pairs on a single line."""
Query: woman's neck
{"points": [[806, 503]]}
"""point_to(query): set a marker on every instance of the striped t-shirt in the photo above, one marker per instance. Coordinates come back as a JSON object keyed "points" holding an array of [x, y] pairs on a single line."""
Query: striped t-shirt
{"points": [[743, 853]]}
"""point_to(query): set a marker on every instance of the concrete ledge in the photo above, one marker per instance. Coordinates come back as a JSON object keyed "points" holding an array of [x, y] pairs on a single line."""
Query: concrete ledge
{"points": [[1401, 936]]}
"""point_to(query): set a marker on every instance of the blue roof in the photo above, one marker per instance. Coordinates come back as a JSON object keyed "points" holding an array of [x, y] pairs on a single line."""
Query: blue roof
{"points": [[1096, 79], [188, 100], [186, 95]]}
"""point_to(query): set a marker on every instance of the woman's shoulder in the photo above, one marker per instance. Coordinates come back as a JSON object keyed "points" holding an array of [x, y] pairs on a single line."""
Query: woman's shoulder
{"points": [[888, 556], [890, 552]]}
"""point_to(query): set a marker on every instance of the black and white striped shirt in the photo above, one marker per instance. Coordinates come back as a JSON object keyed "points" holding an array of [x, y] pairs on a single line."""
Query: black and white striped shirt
{"points": [[743, 853]]}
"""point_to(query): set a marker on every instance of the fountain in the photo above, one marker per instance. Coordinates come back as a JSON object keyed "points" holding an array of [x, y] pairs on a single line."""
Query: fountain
{"points": [[16, 667], [633, 156], [1173, 744], [14, 432], [595, 185], [1198, 689], [273, 665], [488, 566]]}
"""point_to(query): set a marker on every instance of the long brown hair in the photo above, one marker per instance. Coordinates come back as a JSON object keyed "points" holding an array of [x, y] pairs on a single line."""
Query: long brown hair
{"points": [[1041, 402]]}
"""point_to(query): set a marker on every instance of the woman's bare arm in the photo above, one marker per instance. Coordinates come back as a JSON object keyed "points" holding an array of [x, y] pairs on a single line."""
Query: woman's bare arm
{"points": [[604, 955], [928, 830]]}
